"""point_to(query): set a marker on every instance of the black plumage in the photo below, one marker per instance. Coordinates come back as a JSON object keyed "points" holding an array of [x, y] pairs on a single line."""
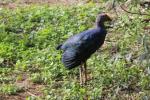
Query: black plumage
{"points": [[80, 47]]}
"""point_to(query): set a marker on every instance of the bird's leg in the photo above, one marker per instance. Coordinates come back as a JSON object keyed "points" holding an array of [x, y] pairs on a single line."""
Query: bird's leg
{"points": [[85, 79], [85, 67], [85, 72], [81, 74]]}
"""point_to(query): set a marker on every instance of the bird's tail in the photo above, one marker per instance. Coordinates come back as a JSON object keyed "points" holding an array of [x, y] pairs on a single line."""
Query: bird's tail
{"points": [[58, 47]]}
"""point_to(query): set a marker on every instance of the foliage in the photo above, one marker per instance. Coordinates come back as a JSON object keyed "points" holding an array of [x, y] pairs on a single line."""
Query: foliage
{"points": [[29, 35], [10, 89]]}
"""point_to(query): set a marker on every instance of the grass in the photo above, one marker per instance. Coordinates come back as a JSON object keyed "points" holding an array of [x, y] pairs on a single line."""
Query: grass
{"points": [[30, 65]]}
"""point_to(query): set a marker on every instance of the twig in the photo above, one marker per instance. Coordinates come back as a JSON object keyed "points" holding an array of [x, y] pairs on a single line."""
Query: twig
{"points": [[146, 20], [147, 28], [31, 94], [133, 12], [114, 7]]}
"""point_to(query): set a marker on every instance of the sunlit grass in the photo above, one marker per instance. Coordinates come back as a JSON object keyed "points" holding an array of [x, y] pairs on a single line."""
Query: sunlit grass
{"points": [[29, 35]]}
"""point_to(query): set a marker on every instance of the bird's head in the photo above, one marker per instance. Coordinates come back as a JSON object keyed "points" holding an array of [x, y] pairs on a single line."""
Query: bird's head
{"points": [[101, 18]]}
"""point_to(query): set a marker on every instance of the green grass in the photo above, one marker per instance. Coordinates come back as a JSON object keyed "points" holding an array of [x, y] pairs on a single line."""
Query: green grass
{"points": [[29, 35]]}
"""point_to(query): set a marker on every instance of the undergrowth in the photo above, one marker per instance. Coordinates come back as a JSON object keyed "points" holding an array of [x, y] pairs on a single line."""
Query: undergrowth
{"points": [[29, 35]]}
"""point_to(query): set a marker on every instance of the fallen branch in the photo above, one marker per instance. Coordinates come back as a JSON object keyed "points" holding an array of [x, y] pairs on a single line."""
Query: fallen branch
{"points": [[133, 12], [147, 28], [114, 7], [146, 20], [33, 95]]}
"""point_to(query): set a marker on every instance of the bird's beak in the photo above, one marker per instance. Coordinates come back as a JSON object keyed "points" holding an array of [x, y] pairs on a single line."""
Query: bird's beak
{"points": [[109, 18]]}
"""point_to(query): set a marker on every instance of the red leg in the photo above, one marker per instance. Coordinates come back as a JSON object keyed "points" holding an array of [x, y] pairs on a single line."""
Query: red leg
{"points": [[85, 73], [81, 74]]}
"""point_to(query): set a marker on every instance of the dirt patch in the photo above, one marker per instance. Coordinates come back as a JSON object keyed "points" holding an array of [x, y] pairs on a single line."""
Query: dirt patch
{"points": [[28, 89], [41, 1], [49, 1], [33, 91], [13, 5]]}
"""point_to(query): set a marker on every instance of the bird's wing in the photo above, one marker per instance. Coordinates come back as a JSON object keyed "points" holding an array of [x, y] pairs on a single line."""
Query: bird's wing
{"points": [[89, 43], [80, 47], [72, 42], [87, 40]]}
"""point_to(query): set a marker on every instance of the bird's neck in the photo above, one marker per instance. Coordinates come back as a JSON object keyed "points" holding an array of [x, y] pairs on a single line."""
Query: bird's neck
{"points": [[100, 25]]}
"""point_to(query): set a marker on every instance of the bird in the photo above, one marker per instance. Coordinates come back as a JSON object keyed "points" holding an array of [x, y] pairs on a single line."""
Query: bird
{"points": [[78, 48]]}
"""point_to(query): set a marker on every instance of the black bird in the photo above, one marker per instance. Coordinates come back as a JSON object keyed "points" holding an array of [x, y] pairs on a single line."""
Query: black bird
{"points": [[78, 48]]}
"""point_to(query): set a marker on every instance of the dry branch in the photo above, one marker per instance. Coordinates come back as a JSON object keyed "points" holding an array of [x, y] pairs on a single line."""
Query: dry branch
{"points": [[122, 7]]}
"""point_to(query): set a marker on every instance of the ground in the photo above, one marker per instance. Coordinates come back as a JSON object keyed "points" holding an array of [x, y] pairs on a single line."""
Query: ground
{"points": [[115, 71]]}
